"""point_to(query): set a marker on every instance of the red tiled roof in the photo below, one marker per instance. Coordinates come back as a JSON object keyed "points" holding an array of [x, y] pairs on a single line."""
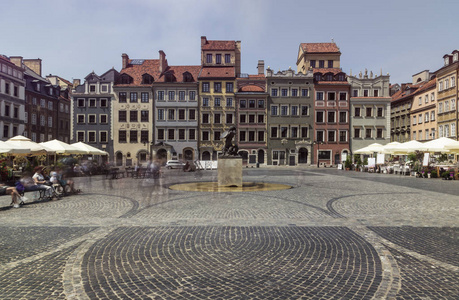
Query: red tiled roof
{"points": [[427, 85], [320, 47], [178, 71], [334, 82], [211, 72], [219, 45], [149, 66], [258, 76], [251, 88]]}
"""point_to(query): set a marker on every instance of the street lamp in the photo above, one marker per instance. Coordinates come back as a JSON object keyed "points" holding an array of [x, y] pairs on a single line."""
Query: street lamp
{"points": [[318, 143]]}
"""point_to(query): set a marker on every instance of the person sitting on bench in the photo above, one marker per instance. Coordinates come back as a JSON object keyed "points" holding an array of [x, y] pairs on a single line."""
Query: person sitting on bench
{"points": [[10, 190]]}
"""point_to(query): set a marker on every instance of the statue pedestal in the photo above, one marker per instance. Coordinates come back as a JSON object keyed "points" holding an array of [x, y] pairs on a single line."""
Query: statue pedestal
{"points": [[230, 171]]}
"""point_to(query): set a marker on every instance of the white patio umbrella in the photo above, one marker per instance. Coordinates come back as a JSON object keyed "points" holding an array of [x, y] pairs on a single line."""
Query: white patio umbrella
{"points": [[439, 145], [370, 149], [405, 148], [388, 146], [23, 142], [9, 149], [453, 146], [89, 149], [62, 148]]}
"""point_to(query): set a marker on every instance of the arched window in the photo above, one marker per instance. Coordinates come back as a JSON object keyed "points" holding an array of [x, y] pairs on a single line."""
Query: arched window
{"points": [[147, 79], [125, 79]]}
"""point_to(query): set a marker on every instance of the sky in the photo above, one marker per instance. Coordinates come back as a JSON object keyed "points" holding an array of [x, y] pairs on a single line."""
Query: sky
{"points": [[74, 38]]}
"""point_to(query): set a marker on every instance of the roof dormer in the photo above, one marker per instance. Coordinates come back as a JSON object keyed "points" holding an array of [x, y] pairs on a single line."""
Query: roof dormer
{"points": [[126, 79], [147, 79], [187, 77]]}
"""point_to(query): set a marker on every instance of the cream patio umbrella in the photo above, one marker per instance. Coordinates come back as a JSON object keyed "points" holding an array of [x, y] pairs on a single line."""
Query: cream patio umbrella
{"points": [[388, 146], [89, 149], [453, 147], [439, 145], [405, 148], [20, 141], [12, 150], [370, 149], [63, 148]]}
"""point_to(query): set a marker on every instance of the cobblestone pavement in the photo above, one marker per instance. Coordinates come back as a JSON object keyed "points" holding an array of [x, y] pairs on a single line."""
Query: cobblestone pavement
{"points": [[334, 235]]}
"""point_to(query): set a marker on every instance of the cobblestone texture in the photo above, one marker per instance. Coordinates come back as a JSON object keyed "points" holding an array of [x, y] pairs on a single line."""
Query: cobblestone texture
{"points": [[41, 279], [232, 262], [421, 280]]}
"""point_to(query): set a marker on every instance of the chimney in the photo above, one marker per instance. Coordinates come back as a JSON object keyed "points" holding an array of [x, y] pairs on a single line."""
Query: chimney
{"points": [[76, 82], [34, 65], [203, 40], [17, 60], [125, 60], [261, 67], [162, 61]]}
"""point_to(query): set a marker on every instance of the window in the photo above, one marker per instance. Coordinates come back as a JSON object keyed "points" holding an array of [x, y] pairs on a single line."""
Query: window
{"points": [[375, 93], [284, 131], [191, 134], [440, 107], [242, 103], [192, 114], [133, 136], [227, 58], [104, 88], [205, 118], [217, 118], [343, 136], [426, 98], [414, 135], [319, 95], [205, 102], [414, 120], [206, 87], [284, 92], [103, 137], [357, 133], [284, 110], [181, 114], [251, 103], [242, 118], [294, 92], [171, 114], [160, 114], [217, 102], [133, 116], [453, 81], [103, 102], [330, 64], [261, 119], [368, 133], [91, 136], [7, 110], [261, 136], [379, 133], [446, 105], [92, 103], [446, 84], [161, 134], [91, 119], [34, 119], [427, 134], [365, 93], [331, 96], [274, 109], [304, 132], [321, 64], [446, 127], [81, 102], [218, 58], [304, 92], [453, 104], [242, 136], [312, 63], [160, 95], [171, 134], [229, 87], [144, 116], [122, 97], [294, 132], [432, 97], [251, 118], [274, 92], [122, 136], [103, 119], [261, 103], [229, 118], [369, 111], [181, 95], [217, 87], [440, 86], [426, 117], [294, 110], [209, 58], [274, 132], [440, 131], [342, 96], [379, 111], [144, 136], [420, 119], [343, 117], [355, 93], [122, 116], [171, 95], [320, 135], [331, 117], [192, 95], [304, 110], [50, 104], [229, 102], [144, 97], [453, 129], [133, 97], [331, 136], [80, 136], [319, 116]]}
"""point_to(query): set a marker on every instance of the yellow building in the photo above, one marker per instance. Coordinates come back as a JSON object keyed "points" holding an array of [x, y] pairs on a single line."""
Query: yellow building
{"points": [[447, 96], [318, 55], [221, 65]]}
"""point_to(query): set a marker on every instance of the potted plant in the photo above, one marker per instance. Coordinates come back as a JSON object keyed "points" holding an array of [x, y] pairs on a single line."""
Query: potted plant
{"points": [[348, 163], [433, 174]]}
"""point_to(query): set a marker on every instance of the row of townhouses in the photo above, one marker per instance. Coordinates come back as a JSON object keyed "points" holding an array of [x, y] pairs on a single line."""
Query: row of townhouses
{"points": [[149, 109]]}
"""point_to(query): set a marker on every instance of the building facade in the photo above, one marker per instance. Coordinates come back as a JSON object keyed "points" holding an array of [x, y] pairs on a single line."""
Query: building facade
{"points": [[423, 110], [64, 103], [221, 64], [400, 117], [12, 98], [370, 110], [290, 117], [447, 91], [91, 111], [251, 118], [176, 112]]}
